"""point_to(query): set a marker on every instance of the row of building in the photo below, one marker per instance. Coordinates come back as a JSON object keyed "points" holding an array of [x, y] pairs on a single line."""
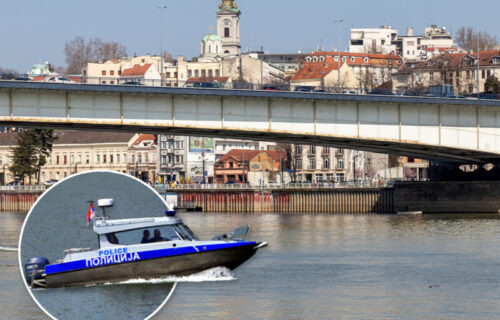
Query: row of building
{"points": [[165, 159]]}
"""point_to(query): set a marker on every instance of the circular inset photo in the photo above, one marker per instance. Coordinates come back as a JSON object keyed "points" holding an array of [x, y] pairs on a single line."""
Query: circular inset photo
{"points": [[92, 243]]}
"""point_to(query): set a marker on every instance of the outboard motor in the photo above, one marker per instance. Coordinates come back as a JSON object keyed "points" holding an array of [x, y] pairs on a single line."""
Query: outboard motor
{"points": [[34, 270]]}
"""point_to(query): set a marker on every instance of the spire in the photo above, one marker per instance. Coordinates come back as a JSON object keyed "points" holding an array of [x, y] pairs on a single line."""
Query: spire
{"points": [[228, 5]]}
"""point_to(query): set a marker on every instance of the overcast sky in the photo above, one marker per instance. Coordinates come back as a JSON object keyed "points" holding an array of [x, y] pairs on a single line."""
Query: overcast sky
{"points": [[34, 30]]}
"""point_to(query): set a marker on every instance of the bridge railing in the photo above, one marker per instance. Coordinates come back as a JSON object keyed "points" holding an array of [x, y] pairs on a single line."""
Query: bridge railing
{"points": [[280, 87]]}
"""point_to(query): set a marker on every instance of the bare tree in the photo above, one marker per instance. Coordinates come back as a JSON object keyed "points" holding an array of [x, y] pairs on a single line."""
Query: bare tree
{"points": [[168, 57], [466, 38], [79, 52]]}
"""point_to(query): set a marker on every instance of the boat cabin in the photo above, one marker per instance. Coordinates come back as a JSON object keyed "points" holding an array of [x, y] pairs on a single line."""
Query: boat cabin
{"points": [[125, 232]]}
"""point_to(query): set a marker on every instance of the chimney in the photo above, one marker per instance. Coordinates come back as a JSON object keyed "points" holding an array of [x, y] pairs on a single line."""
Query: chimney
{"points": [[409, 32]]}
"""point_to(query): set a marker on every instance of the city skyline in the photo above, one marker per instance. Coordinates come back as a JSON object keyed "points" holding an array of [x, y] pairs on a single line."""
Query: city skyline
{"points": [[284, 27]]}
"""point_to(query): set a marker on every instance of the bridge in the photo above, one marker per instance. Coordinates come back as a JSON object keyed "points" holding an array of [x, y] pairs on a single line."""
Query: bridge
{"points": [[465, 130]]}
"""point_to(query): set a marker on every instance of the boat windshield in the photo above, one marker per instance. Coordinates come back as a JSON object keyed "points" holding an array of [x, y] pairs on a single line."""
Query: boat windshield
{"points": [[152, 234]]}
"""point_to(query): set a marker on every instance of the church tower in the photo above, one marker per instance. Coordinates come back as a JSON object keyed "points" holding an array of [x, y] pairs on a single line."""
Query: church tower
{"points": [[228, 27]]}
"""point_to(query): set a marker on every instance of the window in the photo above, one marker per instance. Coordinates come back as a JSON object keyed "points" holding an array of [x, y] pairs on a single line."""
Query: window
{"points": [[217, 73], [431, 76], [340, 177], [483, 74], [340, 151], [495, 60], [87, 158], [125, 157], [57, 159], [190, 73], [312, 163], [103, 72], [97, 158], [110, 158], [139, 158], [365, 60], [65, 159], [111, 82], [112, 72], [298, 149], [203, 73], [352, 59], [104, 159], [226, 33], [196, 73], [146, 158], [163, 160], [298, 164], [71, 159], [210, 73], [329, 177], [312, 150], [168, 74], [336, 58], [326, 150], [340, 163], [117, 158], [326, 163]]}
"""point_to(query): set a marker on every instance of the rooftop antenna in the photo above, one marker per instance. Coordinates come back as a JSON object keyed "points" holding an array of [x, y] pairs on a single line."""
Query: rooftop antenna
{"points": [[103, 204]]}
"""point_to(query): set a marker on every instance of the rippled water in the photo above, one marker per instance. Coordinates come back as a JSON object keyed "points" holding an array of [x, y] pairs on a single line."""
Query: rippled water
{"points": [[15, 302], [352, 267], [327, 267]]}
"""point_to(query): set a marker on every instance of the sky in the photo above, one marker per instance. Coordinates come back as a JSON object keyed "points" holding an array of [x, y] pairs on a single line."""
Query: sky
{"points": [[33, 31]]}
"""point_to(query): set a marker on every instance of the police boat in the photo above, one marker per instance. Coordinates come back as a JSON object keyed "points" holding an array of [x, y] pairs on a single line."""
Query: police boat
{"points": [[145, 248]]}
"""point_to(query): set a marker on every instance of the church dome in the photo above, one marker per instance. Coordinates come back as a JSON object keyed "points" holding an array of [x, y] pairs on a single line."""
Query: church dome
{"points": [[211, 37]]}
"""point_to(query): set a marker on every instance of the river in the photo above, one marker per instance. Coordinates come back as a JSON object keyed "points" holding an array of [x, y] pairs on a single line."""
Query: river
{"points": [[327, 267]]}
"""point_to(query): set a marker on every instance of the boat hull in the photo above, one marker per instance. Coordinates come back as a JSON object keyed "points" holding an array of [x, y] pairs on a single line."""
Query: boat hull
{"points": [[178, 265]]}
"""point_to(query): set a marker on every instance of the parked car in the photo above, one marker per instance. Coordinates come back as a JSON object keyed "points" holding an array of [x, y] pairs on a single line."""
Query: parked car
{"points": [[60, 80], [210, 85], [131, 83], [50, 182], [320, 91], [16, 183], [304, 89], [270, 88]]}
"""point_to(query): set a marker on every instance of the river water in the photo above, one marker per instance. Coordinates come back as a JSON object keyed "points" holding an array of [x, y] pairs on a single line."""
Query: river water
{"points": [[326, 267]]}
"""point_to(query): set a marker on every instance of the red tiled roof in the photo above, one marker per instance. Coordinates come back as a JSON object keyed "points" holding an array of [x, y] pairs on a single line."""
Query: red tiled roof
{"points": [[454, 60], [319, 69], [144, 137], [136, 70], [207, 79], [316, 70], [353, 54], [248, 155]]}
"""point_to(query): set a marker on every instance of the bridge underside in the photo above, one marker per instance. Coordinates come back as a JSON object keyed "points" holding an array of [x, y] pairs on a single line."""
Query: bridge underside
{"points": [[451, 129], [403, 149]]}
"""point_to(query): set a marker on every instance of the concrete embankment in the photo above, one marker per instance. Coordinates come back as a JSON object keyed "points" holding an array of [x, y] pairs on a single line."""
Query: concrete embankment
{"points": [[429, 197], [446, 197], [291, 201], [18, 201]]}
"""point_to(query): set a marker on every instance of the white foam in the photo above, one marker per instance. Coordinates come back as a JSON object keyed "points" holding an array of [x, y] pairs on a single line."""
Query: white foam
{"points": [[209, 275], [8, 249]]}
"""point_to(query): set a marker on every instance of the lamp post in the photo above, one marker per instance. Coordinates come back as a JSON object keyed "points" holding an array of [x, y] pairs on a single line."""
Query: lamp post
{"points": [[338, 22], [161, 43], [478, 88]]}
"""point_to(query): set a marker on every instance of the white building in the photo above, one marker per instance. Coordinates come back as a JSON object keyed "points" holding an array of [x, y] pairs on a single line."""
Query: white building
{"points": [[410, 46], [373, 40]]}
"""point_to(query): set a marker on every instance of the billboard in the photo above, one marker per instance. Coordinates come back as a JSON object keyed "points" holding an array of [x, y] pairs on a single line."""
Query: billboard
{"points": [[197, 144]]}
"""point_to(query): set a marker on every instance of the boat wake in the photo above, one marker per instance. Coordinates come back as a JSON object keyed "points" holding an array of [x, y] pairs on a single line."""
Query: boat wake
{"points": [[8, 249], [209, 275]]}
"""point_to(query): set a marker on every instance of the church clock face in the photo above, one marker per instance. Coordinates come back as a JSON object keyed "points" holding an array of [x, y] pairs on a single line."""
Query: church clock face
{"points": [[227, 22]]}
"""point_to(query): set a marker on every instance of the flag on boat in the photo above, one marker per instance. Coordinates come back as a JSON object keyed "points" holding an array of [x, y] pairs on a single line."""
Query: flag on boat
{"points": [[90, 214]]}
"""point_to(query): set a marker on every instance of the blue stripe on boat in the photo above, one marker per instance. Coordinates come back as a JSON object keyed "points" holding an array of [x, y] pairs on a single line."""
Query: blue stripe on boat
{"points": [[143, 255]]}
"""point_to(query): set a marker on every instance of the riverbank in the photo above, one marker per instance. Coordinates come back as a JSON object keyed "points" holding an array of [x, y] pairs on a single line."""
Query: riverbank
{"points": [[428, 197]]}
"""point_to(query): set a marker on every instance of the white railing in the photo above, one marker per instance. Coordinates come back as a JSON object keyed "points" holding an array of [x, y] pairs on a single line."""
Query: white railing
{"points": [[23, 188], [267, 186]]}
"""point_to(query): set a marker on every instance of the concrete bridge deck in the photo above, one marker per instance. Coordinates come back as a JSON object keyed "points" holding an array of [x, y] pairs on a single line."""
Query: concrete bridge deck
{"points": [[466, 130]]}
